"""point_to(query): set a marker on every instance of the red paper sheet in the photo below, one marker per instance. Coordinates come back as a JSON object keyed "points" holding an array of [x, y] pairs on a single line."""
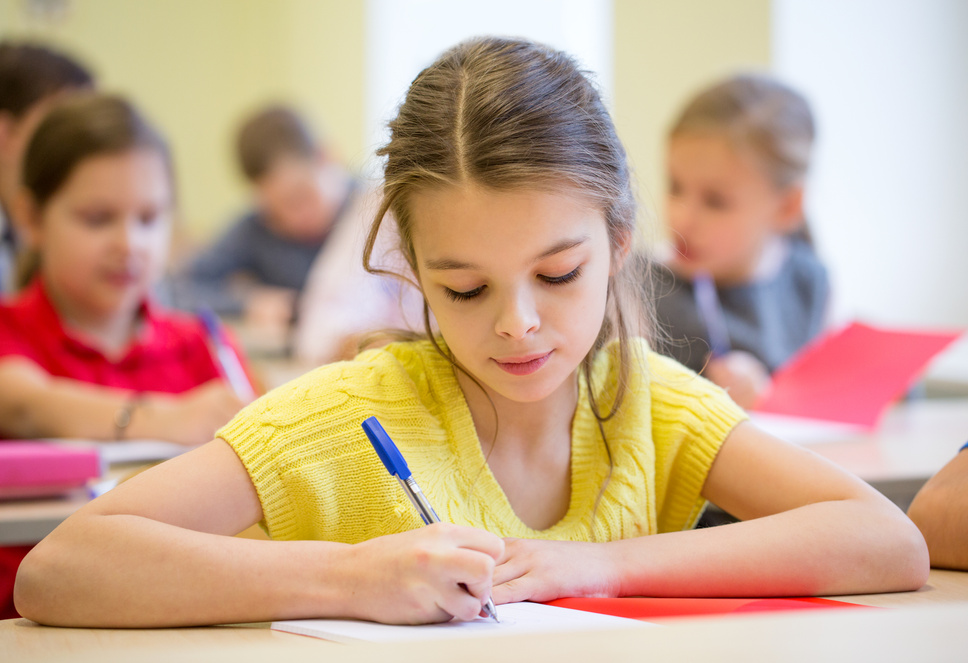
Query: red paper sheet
{"points": [[658, 609], [853, 374]]}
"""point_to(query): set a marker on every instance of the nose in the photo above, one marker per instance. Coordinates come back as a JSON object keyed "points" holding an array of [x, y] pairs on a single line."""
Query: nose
{"points": [[131, 235], [124, 235], [518, 315]]}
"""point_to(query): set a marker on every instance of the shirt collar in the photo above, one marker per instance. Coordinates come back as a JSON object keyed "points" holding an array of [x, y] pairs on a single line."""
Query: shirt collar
{"points": [[36, 302]]}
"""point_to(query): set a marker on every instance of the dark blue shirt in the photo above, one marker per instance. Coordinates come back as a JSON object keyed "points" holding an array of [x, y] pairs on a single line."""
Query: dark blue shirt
{"points": [[770, 318]]}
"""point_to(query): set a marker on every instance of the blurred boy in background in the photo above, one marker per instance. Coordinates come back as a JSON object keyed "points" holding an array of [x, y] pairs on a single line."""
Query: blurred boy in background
{"points": [[32, 78], [258, 267]]}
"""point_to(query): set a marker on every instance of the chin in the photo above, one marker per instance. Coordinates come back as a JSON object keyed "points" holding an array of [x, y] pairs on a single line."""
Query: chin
{"points": [[533, 392]]}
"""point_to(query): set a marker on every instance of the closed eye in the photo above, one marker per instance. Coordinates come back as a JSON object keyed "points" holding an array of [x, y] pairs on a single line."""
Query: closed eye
{"points": [[561, 280], [456, 296]]}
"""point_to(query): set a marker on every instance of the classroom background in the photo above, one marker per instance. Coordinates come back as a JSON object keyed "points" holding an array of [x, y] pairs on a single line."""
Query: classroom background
{"points": [[888, 80]]}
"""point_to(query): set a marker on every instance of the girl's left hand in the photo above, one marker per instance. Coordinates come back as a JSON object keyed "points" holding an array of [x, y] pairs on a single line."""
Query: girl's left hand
{"points": [[533, 570]]}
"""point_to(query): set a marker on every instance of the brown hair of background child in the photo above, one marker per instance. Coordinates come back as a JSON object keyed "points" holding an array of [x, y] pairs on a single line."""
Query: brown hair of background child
{"points": [[272, 133], [31, 72], [508, 114], [758, 113], [79, 128]]}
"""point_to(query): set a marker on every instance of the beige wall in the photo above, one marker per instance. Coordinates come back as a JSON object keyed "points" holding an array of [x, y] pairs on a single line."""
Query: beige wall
{"points": [[196, 65], [664, 51]]}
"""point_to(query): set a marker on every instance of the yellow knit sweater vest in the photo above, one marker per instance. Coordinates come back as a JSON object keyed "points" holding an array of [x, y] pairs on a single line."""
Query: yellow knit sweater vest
{"points": [[317, 476]]}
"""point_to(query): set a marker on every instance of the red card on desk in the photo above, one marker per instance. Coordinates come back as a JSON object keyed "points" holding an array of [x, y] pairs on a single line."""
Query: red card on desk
{"points": [[853, 374], [657, 609]]}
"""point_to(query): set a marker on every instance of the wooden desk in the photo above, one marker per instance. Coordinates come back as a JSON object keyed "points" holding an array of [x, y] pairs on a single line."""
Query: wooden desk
{"points": [[948, 373], [924, 626], [914, 441], [25, 522]]}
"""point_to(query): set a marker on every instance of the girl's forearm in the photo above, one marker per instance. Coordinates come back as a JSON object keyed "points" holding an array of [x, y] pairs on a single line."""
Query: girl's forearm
{"points": [[82, 576], [34, 404], [827, 548]]}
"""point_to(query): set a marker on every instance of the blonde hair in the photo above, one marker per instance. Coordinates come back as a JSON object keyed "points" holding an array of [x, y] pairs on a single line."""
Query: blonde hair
{"points": [[758, 113], [506, 114]]}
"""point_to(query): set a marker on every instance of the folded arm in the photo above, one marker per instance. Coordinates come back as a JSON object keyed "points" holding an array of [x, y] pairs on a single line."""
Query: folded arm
{"points": [[808, 528], [940, 510], [34, 404]]}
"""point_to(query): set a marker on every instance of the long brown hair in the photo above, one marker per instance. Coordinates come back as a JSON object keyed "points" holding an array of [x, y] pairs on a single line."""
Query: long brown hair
{"points": [[83, 126], [506, 114]]}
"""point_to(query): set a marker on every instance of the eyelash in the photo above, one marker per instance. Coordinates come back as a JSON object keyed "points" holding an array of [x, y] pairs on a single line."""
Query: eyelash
{"points": [[456, 296], [463, 296], [561, 280]]}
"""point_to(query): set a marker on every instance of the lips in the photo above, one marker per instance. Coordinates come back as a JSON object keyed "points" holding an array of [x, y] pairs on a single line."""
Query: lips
{"points": [[121, 279], [523, 365]]}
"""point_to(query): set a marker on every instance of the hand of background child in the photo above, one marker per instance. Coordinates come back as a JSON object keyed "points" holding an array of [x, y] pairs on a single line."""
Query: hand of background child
{"points": [[534, 570], [414, 577], [741, 374], [269, 307], [188, 418]]}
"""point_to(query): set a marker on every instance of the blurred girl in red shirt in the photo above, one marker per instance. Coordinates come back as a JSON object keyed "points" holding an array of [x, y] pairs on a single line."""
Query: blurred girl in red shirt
{"points": [[83, 351]]}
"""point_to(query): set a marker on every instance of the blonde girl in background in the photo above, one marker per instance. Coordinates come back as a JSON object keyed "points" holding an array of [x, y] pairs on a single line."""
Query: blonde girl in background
{"points": [[568, 458], [738, 156]]}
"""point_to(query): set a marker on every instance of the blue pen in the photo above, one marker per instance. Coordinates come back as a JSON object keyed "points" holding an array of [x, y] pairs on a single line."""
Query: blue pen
{"points": [[227, 359], [397, 467], [711, 312]]}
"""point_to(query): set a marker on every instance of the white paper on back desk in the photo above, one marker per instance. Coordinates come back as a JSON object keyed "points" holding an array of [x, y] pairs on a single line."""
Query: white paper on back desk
{"points": [[129, 451], [516, 619]]}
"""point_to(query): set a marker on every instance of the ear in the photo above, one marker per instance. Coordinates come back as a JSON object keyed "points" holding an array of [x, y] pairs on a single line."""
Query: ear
{"points": [[620, 252], [789, 216]]}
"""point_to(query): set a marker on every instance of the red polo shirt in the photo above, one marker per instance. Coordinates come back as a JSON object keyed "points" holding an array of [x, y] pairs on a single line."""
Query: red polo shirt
{"points": [[170, 354]]}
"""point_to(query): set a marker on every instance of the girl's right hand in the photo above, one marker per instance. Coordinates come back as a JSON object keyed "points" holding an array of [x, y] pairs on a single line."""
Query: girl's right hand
{"points": [[430, 574], [189, 418]]}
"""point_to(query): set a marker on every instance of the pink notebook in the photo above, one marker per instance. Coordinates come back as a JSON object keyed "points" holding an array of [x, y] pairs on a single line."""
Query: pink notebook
{"points": [[851, 375], [39, 469]]}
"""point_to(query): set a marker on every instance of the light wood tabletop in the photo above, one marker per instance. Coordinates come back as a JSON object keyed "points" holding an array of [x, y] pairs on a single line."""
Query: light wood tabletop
{"points": [[923, 626]]}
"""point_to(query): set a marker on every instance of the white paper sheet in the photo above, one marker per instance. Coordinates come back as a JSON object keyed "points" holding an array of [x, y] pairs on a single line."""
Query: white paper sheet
{"points": [[516, 619], [130, 451], [803, 431]]}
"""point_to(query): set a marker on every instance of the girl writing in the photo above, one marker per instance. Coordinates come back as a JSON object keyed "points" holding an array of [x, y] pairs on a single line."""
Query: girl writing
{"points": [[738, 155], [568, 459]]}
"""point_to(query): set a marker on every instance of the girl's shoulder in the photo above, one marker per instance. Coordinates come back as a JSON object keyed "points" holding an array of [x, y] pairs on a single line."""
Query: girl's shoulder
{"points": [[326, 405], [649, 375], [27, 322], [803, 259], [397, 372]]}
